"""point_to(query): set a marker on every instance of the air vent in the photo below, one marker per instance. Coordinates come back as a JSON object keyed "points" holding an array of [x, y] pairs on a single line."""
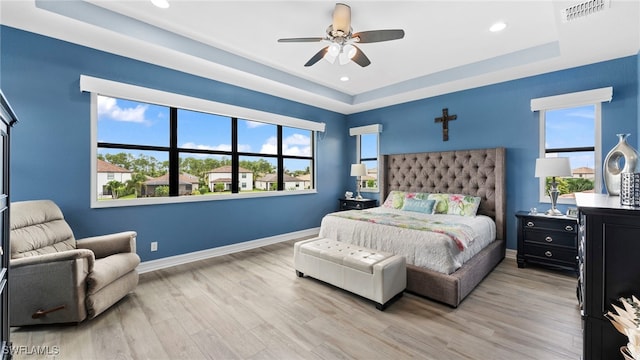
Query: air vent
{"points": [[584, 9]]}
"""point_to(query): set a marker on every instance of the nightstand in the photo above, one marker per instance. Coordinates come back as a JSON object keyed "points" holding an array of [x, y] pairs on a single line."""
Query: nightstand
{"points": [[355, 204], [547, 240]]}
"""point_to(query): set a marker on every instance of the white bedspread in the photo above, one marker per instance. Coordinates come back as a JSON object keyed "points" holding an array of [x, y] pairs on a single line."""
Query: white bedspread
{"points": [[426, 249]]}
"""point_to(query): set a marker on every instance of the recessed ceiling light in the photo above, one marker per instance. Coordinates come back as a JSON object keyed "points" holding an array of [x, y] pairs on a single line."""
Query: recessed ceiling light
{"points": [[162, 4], [344, 78], [499, 26]]}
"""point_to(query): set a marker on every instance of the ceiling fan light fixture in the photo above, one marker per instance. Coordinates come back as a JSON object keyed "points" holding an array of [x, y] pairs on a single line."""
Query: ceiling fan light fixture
{"points": [[334, 50], [342, 19], [347, 53], [330, 59], [350, 51]]}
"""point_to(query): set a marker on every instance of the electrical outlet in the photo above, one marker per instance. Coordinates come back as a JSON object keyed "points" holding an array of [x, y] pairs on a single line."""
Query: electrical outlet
{"points": [[154, 246]]}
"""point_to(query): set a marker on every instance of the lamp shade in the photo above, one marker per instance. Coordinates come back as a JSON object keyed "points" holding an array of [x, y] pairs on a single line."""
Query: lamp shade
{"points": [[358, 170], [558, 166]]}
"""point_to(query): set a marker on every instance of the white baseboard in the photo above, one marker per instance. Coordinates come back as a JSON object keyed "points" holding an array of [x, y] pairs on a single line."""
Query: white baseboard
{"points": [[511, 254], [163, 263]]}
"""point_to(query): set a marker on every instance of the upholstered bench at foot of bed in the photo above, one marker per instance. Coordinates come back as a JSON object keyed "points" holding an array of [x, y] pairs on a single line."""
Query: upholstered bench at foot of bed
{"points": [[375, 275]]}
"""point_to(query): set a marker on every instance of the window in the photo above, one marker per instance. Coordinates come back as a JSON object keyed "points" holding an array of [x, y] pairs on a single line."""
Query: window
{"points": [[570, 127], [367, 152], [164, 152]]}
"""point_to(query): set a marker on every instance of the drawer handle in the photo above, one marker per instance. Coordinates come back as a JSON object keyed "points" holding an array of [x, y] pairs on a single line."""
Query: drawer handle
{"points": [[530, 224], [548, 253], [548, 239], [358, 206], [568, 228]]}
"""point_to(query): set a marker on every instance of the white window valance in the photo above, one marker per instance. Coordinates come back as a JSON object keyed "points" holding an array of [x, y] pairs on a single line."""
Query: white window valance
{"points": [[159, 97], [581, 98], [367, 129]]}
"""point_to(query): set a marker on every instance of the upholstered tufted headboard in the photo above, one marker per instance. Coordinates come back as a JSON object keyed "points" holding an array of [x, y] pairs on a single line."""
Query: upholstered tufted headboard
{"points": [[471, 172]]}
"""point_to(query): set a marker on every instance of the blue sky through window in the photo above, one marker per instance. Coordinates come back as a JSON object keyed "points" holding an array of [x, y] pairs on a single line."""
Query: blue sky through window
{"points": [[571, 128], [130, 122]]}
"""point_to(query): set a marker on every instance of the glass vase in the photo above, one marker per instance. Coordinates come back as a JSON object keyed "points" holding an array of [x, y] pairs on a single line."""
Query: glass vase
{"points": [[612, 164]]}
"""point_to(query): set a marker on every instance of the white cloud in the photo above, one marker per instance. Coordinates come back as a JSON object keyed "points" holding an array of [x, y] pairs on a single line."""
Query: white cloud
{"points": [[254, 124], [288, 146], [219, 147], [108, 107], [192, 145], [270, 147]]}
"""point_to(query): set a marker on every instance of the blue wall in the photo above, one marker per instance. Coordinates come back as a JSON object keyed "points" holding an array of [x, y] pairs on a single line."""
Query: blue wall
{"points": [[500, 115], [51, 143], [50, 146]]}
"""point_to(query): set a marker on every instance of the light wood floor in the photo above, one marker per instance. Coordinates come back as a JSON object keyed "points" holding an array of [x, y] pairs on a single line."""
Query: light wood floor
{"points": [[251, 305]]}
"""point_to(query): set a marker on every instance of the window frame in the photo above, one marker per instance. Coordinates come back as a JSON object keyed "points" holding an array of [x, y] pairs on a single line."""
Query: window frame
{"points": [[374, 129], [96, 86], [593, 98]]}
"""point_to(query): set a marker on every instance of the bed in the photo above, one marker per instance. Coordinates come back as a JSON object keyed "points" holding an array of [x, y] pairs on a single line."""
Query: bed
{"points": [[476, 173]]}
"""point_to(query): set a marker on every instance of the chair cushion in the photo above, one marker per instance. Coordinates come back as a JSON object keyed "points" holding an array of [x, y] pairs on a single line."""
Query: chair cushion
{"points": [[38, 227], [109, 269]]}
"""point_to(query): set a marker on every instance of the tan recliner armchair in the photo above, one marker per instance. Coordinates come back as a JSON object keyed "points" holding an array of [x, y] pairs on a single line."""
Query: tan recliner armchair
{"points": [[53, 278]]}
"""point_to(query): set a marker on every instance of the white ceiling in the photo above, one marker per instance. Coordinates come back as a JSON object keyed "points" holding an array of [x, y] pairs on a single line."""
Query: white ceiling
{"points": [[447, 46]]}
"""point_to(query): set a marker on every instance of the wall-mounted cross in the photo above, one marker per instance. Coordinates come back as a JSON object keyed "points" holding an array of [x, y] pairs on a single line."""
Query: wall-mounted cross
{"points": [[445, 123]]}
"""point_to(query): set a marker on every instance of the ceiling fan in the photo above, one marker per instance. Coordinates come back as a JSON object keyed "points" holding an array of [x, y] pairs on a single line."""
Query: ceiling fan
{"points": [[342, 39]]}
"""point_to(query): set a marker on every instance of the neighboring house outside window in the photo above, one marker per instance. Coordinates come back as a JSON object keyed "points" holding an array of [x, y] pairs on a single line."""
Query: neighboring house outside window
{"points": [[367, 152], [222, 176], [570, 126], [107, 172]]}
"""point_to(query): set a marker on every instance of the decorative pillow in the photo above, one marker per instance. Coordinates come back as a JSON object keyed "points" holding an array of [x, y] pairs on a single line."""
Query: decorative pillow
{"points": [[419, 205], [396, 198], [456, 204]]}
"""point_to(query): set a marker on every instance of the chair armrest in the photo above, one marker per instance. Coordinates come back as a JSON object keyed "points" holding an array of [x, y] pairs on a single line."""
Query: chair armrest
{"points": [[54, 284], [105, 245], [54, 257]]}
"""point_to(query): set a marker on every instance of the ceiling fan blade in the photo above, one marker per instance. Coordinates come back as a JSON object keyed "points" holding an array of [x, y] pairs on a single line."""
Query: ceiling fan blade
{"points": [[317, 57], [360, 58], [378, 35], [307, 39]]}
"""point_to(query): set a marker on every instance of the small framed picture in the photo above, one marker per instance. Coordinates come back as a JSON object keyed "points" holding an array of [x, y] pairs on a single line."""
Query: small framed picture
{"points": [[572, 212]]}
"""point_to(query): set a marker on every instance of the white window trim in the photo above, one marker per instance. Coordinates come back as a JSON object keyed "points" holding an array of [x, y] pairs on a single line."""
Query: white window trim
{"points": [[159, 97], [589, 97], [368, 129], [97, 86]]}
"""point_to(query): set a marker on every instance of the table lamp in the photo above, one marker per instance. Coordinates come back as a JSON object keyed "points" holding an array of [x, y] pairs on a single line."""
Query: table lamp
{"points": [[558, 166], [358, 170]]}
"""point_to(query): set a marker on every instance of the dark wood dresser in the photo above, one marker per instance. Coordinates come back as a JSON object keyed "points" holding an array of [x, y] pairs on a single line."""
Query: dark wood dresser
{"points": [[547, 240], [7, 119], [357, 204], [609, 263]]}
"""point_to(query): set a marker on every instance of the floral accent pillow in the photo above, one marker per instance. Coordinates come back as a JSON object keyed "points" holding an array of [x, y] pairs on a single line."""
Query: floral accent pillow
{"points": [[396, 198], [456, 204], [419, 205]]}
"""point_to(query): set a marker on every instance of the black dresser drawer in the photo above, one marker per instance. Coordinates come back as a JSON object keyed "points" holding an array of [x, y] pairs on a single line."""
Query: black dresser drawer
{"points": [[570, 226], [553, 238], [549, 254]]}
